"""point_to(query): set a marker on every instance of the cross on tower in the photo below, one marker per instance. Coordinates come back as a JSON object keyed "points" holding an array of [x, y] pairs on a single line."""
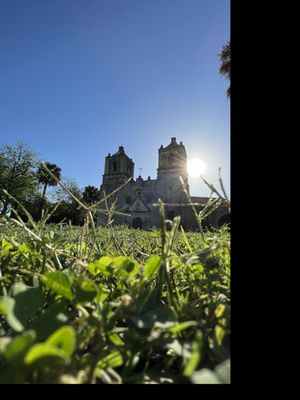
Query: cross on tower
{"points": [[140, 169]]}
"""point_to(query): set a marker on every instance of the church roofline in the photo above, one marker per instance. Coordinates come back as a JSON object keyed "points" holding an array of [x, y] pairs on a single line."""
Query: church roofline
{"points": [[120, 152], [197, 199], [173, 144]]}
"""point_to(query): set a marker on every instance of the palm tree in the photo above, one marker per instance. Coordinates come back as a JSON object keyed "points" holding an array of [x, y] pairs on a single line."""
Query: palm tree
{"points": [[225, 60], [90, 194], [45, 178]]}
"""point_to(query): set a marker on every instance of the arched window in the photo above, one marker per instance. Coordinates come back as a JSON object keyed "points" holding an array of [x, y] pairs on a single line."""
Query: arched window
{"points": [[115, 166], [148, 198], [172, 160]]}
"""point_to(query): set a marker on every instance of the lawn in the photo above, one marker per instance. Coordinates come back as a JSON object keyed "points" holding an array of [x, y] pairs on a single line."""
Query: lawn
{"points": [[113, 305]]}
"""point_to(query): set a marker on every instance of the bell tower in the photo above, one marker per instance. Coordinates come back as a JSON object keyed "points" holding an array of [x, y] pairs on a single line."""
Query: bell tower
{"points": [[118, 169], [172, 163], [172, 160]]}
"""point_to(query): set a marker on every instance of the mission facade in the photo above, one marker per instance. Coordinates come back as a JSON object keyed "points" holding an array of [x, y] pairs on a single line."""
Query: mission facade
{"points": [[136, 200]]}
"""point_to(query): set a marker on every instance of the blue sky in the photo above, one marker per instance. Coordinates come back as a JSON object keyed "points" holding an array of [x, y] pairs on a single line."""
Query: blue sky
{"points": [[79, 78]]}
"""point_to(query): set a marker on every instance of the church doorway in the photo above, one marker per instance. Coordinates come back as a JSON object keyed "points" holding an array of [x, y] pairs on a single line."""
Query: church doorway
{"points": [[137, 223], [224, 220], [170, 215]]}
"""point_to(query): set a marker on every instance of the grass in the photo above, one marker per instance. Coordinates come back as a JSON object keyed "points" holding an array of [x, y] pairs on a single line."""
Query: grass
{"points": [[113, 305]]}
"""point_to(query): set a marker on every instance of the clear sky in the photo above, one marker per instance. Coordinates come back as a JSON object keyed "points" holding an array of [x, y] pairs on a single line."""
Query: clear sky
{"points": [[78, 78]]}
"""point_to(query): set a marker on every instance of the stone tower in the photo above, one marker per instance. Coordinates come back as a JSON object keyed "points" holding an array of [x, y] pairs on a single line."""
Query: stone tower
{"points": [[172, 163], [118, 169]]}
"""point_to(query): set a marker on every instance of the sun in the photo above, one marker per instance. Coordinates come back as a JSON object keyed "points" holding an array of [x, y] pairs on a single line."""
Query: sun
{"points": [[196, 167]]}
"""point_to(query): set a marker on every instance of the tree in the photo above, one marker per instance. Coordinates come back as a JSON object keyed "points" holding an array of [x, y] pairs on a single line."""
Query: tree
{"points": [[17, 174], [68, 210], [225, 59], [90, 194], [45, 178], [61, 194]]}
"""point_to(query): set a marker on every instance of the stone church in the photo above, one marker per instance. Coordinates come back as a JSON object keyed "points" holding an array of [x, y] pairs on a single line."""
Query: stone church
{"points": [[137, 198]]}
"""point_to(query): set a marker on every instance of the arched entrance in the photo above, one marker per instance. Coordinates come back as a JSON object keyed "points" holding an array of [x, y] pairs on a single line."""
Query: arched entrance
{"points": [[206, 225], [224, 220], [137, 223]]}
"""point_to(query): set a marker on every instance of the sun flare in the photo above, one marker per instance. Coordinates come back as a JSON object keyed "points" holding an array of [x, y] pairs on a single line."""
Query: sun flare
{"points": [[196, 167]]}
